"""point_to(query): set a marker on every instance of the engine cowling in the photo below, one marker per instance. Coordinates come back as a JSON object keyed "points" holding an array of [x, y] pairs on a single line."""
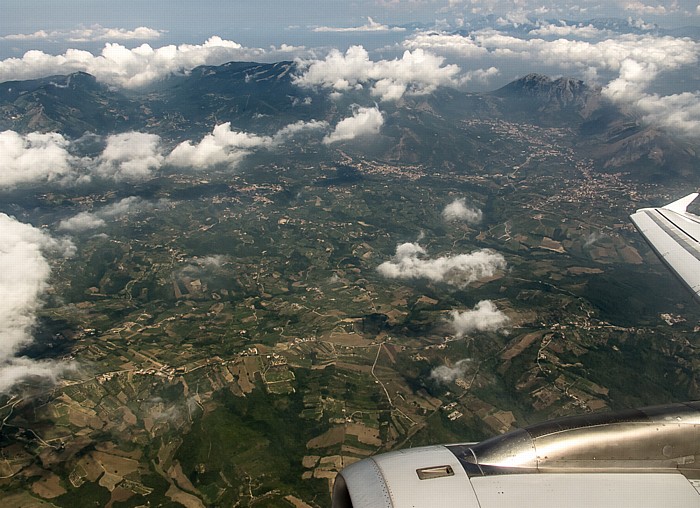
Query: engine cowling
{"points": [[429, 476], [643, 458]]}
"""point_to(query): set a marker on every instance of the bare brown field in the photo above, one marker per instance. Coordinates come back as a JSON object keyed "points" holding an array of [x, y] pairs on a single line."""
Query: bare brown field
{"points": [[331, 437], [521, 345], [48, 487]]}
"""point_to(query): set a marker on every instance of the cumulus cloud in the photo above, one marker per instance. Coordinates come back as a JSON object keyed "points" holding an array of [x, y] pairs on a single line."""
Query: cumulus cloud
{"points": [[657, 10], [289, 131], [212, 261], [24, 275], [221, 146], [633, 60], [445, 374], [410, 262], [140, 66], [129, 205], [363, 122], [33, 157], [99, 33], [86, 221], [226, 146], [370, 26], [665, 53], [39, 157], [564, 30], [480, 75], [459, 211], [198, 266], [449, 44], [130, 156], [416, 72], [91, 34], [484, 317], [678, 113]]}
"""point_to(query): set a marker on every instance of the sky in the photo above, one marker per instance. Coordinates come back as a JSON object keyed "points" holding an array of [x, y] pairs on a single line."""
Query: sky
{"points": [[301, 22], [647, 62], [267, 18], [274, 30]]}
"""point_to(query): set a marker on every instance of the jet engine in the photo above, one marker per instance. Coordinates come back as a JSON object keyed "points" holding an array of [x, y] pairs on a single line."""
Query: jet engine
{"points": [[642, 458]]}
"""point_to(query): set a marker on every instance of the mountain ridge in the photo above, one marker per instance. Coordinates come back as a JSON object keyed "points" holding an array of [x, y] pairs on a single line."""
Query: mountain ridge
{"points": [[262, 98]]}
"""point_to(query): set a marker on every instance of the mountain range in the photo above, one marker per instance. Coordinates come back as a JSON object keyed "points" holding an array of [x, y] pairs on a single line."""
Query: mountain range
{"points": [[262, 98]]}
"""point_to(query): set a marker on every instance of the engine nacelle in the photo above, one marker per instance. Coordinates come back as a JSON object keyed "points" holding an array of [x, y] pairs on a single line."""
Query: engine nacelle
{"points": [[638, 458]]}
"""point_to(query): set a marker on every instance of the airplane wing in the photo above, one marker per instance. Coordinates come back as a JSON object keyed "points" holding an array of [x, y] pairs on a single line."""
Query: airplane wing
{"points": [[643, 458], [674, 234]]}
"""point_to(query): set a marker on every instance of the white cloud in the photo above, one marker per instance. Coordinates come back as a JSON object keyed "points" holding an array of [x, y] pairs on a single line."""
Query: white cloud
{"points": [[666, 53], [410, 262], [200, 265], [363, 122], [131, 204], [371, 26], [221, 146], [642, 8], [484, 317], [225, 146], [38, 35], [679, 113], [33, 157], [124, 206], [289, 131], [130, 156], [212, 261], [640, 23], [634, 60], [99, 33], [24, 275], [552, 30], [91, 34], [445, 374], [416, 72], [37, 157], [480, 75], [132, 68], [513, 18], [448, 44], [459, 211], [84, 221]]}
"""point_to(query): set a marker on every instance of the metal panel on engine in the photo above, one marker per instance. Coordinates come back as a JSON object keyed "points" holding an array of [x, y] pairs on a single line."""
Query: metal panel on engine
{"points": [[401, 474], [586, 490]]}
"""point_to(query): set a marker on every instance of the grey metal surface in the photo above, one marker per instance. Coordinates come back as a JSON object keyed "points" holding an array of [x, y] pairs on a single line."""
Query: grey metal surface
{"points": [[361, 485], [585, 490], [674, 234], [642, 458], [655, 439], [393, 480]]}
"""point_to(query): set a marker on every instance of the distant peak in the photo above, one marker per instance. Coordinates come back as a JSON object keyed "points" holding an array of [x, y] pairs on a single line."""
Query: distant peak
{"points": [[539, 85], [560, 93], [533, 80]]}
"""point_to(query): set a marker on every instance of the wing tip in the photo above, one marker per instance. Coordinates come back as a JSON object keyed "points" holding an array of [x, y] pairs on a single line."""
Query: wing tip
{"points": [[681, 205]]}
